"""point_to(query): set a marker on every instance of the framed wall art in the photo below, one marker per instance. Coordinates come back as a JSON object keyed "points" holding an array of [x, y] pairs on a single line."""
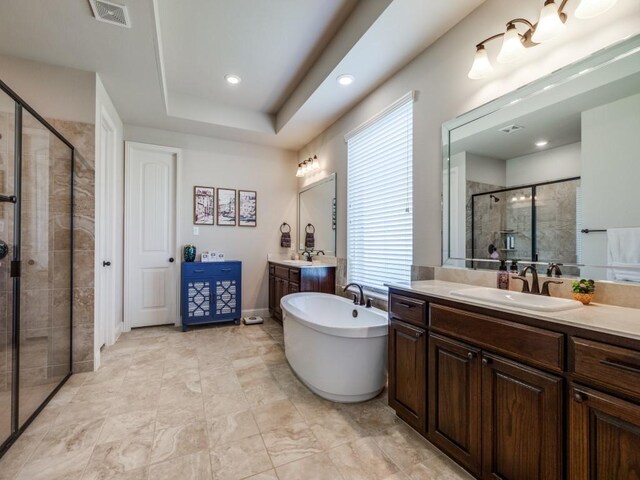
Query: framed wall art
{"points": [[226, 207], [247, 208], [203, 205]]}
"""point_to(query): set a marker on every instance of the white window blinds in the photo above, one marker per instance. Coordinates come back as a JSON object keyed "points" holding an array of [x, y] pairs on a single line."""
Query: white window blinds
{"points": [[380, 198]]}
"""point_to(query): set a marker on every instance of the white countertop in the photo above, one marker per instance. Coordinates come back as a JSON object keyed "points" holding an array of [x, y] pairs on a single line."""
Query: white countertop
{"points": [[299, 263], [621, 321]]}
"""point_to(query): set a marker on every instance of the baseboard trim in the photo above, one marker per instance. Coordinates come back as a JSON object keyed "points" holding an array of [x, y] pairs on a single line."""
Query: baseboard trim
{"points": [[256, 312]]}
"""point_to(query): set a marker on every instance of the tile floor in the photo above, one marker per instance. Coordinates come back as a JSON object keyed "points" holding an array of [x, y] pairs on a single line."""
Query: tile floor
{"points": [[215, 403]]}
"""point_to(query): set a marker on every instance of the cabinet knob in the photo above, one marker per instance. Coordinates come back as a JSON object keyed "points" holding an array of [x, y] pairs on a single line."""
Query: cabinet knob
{"points": [[579, 397], [106, 264], [486, 361], [471, 355], [171, 260]]}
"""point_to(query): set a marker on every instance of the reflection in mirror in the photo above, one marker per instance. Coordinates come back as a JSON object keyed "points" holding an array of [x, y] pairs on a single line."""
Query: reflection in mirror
{"points": [[316, 216], [549, 173]]}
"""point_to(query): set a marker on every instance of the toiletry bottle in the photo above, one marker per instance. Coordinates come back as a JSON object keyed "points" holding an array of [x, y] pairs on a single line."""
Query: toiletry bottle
{"points": [[503, 276], [514, 267]]}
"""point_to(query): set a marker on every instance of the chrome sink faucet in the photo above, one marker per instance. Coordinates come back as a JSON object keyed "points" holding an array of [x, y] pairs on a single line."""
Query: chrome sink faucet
{"points": [[535, 285]]}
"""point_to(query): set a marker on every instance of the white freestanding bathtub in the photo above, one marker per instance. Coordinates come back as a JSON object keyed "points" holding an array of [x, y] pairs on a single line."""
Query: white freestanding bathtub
{"points": [[338, 349]]}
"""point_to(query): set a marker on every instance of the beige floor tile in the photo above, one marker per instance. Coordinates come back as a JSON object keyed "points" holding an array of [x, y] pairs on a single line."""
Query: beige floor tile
{"points": [[180, 392], [316, 467], [196, 466], [263, 390], [13, 460], [289, 443], [84, 411], [129, 424], [66, 466], [224, 383], [66, 438], [178, 441], [362, 460], [440, 468], [180, 414], [172, 376], [334, 429], [268, 475], [240, 459], [373, 416], [224, 403], [312, 406], [235, 426], [276, 414], [405, 447], [118, 457]]}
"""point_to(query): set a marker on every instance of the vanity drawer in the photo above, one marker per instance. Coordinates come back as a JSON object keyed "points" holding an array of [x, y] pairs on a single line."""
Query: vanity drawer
{"points": [[608, 365], [408, 309], [533, 345], [281, 272], [294, 275]]}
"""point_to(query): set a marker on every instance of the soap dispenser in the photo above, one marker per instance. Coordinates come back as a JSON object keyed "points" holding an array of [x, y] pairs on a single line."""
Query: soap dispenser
{"points": [[503, 276]]}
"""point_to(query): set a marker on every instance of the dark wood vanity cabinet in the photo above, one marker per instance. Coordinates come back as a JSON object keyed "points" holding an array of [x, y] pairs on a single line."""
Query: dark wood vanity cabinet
{"points": [[508, 398], [407, 373], [284, 280]]}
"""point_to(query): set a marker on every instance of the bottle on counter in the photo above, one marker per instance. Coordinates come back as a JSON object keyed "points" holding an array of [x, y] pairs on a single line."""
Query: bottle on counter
{"points": [[503, 276]]}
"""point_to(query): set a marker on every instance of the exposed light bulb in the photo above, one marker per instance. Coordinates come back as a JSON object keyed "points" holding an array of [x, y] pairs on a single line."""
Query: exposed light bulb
{"points": [[315, 164], [232, 79], [512, 47], [541, 143], [299, 173], [345, 79], [549, 25], [593, 8], [481, 65]]}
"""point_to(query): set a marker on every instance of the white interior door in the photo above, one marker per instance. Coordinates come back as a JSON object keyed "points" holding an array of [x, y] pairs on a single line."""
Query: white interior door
{"points": [[151, 269]]}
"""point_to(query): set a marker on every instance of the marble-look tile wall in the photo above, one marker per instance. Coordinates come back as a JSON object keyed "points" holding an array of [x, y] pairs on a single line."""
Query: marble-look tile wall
{"points": [[82, 136]]}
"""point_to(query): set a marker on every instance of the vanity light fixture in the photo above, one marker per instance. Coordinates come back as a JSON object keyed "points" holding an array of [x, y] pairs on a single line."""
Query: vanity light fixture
{"points": [[308, 166], [345, 79], [551, 23], [232, 79]]}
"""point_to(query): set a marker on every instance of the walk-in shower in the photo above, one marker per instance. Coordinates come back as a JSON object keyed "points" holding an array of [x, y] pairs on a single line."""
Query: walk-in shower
{"points": [[36, 267]]}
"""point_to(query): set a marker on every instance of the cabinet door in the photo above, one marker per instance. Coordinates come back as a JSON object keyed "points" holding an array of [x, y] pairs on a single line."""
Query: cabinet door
{"points": [[604, 436], [272, 293], [454, 400], [282, 287], [407, 373], [521, 421], [293, 288]]}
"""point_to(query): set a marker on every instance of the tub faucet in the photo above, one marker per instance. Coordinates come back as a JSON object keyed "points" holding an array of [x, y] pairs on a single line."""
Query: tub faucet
{"points": [[552, 267], [356, 301]]}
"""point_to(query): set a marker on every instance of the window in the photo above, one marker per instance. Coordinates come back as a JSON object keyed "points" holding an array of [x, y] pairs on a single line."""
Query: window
{"points": [[380, 198]]}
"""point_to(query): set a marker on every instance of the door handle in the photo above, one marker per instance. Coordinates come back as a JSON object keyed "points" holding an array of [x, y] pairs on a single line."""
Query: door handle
{"points": [[4, 249], [171, 260], [8, 198], [106, 264]]}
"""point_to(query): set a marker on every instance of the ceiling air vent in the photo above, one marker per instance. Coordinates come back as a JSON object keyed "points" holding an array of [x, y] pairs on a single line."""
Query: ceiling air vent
{"points": [[110, 12], [511, 128]]}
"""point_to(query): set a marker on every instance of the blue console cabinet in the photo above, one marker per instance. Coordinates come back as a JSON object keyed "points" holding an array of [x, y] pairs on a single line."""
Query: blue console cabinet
{"points": [[211, 292]]}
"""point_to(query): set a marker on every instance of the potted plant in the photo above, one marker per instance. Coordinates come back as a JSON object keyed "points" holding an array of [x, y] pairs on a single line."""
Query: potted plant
{"points": [[583, 290]]}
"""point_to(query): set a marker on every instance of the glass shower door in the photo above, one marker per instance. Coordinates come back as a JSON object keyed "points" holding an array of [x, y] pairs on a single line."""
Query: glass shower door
{"points": [[7, 164], [45, 283]]}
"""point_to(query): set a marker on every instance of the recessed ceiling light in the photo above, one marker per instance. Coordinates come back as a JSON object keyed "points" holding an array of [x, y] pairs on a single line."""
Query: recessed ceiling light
{"points": [[233, 79], [541, 143], [345, 79]]}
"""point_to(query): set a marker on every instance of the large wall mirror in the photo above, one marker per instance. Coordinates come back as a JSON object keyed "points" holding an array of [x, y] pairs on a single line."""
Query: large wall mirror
{"points": [[550, 172], [317, 216]]}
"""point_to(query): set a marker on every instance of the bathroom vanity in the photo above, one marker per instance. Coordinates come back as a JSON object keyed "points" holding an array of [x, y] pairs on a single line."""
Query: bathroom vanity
{"points": [[511, 394], [292, 276]]}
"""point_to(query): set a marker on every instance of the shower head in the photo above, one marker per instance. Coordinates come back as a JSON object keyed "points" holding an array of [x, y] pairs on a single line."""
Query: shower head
{"points": [[494, 198]]}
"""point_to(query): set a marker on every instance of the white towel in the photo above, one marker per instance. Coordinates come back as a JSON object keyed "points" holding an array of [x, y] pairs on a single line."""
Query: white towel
{"points": [[623, 250]]}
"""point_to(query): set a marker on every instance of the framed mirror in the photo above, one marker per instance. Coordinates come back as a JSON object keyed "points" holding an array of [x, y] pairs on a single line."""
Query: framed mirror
{"points": [[317, 216], [549, 173]]}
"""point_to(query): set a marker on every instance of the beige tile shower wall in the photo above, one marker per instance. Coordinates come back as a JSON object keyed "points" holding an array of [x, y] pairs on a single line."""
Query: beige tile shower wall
{"points": [[82, 136]]}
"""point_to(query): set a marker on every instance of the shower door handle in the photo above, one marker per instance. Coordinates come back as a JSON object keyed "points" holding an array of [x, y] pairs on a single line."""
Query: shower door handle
{"points": [[8, 198]]}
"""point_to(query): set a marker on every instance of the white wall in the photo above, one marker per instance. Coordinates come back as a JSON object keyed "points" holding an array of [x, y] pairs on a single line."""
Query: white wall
{"points": [[486, 169], [221, 163], [104, 107], [544, 166], [610, 136], [439, 74], [54, 92]]}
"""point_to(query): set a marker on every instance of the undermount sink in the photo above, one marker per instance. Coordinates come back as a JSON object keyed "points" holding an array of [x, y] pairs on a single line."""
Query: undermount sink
{"points": [[527, 301], [296, 263]]}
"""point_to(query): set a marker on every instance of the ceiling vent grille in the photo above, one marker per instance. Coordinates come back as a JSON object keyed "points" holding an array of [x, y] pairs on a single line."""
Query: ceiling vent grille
{"points": [[511, 128], [110, 12]]}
